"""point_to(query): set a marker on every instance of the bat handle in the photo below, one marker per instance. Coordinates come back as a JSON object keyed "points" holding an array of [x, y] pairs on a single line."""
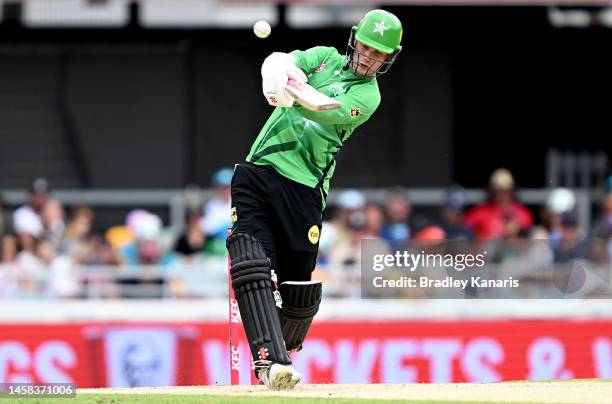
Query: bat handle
{"points": [[293, 83]]}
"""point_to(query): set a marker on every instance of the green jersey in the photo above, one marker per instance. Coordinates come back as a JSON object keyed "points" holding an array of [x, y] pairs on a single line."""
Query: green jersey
{"points": [[301, 144]]}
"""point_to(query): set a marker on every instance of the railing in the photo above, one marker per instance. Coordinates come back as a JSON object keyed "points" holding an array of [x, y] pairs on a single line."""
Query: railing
{"points": [[202, 277], [176, 200]]}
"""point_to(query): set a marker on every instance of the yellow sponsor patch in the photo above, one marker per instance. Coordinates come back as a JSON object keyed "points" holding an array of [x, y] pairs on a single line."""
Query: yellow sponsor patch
{"points": [[234, 215], [313, 234]]}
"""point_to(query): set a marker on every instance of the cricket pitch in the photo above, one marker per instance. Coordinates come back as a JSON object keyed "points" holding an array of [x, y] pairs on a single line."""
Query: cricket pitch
{"points": [[574, 391]]}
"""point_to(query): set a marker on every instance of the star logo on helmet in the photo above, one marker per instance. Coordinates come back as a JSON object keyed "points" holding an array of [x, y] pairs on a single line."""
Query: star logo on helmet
{"points": [[380, 27]]}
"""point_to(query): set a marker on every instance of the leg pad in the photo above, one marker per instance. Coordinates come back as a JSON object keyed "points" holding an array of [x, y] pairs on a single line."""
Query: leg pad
{"points": [[252, 283], [301, 302]]}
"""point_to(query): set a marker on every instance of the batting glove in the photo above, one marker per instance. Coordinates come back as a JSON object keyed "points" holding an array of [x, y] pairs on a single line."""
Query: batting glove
{"points": [[276, 70]]}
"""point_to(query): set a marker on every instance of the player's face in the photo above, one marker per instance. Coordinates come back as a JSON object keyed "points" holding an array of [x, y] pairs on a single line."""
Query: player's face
{"points": [[366, 60]]}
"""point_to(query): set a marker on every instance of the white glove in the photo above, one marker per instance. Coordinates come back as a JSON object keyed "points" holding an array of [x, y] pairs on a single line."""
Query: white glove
{"points": [[276, 70]]}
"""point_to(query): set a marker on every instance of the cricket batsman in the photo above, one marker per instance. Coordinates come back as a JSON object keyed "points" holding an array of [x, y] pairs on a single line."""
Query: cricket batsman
{"points": [[279, 193]]}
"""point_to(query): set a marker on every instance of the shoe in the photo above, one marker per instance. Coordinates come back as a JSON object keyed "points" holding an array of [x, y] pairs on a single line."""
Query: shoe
{"points": [[280, 377]]}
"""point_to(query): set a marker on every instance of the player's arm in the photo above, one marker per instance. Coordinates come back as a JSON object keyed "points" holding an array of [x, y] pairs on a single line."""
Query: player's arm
{"points": [[310, 59], [357, 107]]}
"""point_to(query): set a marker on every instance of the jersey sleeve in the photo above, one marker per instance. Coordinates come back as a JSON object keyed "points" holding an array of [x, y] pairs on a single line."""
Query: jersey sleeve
{"points": [[312, 58], [357, 107]]}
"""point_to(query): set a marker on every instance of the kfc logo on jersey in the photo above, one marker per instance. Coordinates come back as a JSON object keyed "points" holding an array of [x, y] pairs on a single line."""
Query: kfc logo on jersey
{"points": [[321, 68]]}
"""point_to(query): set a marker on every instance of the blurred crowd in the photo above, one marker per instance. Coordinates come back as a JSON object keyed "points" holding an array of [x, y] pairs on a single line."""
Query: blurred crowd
{"points": [[47, 250], [513, 234]]}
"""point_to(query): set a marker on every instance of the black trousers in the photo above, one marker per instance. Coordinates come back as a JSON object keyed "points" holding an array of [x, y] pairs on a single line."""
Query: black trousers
{"points": [[284, 215]]}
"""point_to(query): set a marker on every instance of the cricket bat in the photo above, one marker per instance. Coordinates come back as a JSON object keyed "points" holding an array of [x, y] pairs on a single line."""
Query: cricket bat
{"points": [[310, 98]]}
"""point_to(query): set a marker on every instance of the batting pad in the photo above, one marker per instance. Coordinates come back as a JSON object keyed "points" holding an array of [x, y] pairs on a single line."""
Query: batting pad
{"points": [[301, 302], [252, 283]]}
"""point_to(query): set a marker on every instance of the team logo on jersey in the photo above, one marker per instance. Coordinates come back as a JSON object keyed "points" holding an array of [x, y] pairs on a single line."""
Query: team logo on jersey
{"points": [[355, 112], [321, 68], [336, 89], [313, 234], [234, 215]]}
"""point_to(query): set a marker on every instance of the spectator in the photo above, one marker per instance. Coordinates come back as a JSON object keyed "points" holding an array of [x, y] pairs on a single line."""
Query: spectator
{"points": [[149, 264], [397, 230], [192, 241], [572, 244], [216, 219], [345, 254], [98, 257], [501, 216], [62, 278], [452, 215], [559, 201], [8, 249], [349, 216], [374, 221], [27, 218], [29, 227], [30, 267], [77, 232], [53, 222], [145, 249], [603, 224]]}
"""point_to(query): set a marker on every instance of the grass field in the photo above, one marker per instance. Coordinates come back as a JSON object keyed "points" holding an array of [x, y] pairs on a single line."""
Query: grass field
{"points": [[561, 392]]}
